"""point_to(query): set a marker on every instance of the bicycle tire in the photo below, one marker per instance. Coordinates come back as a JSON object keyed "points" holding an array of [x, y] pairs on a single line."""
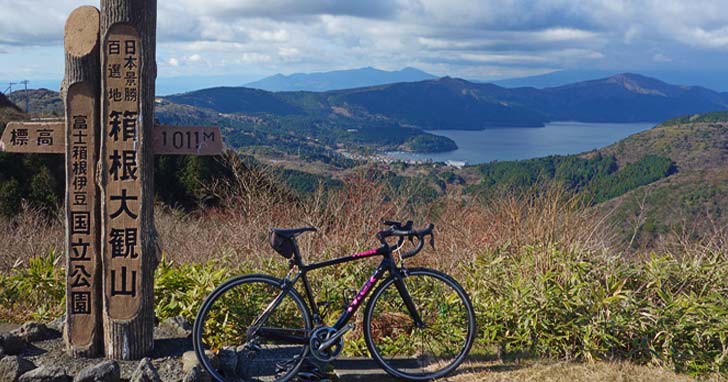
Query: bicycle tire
{"points": [[387, 325], [246, 354]]}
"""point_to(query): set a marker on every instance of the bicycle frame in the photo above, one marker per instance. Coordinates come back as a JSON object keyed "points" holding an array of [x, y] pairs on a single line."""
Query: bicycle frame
{"points": [[387, 265]]}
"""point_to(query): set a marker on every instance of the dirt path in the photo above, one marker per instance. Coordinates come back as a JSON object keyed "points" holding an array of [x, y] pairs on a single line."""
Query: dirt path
{"points": [[362, 370]]}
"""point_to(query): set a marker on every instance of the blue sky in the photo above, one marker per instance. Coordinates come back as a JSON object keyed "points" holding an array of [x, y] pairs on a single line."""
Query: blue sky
{"points": [[486, 39]]}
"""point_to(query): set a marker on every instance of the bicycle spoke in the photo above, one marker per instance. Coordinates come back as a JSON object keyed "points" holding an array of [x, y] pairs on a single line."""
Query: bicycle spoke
{"points": [[270, 353], [432, 350]]}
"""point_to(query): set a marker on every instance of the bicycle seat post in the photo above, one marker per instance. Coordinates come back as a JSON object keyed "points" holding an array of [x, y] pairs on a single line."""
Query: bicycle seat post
{"points": [[297, 259]]}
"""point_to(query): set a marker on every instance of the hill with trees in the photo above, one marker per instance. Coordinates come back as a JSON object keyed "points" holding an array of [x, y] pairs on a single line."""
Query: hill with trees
{"points": [[42, 102], [693, 202]]}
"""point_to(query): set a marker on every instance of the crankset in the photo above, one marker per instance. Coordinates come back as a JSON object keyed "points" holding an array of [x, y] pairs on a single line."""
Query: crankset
{"points": [[326, 343]]}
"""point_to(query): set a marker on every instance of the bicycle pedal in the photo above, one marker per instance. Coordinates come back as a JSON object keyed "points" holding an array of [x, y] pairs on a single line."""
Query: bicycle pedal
{"points": [[283, 367]]}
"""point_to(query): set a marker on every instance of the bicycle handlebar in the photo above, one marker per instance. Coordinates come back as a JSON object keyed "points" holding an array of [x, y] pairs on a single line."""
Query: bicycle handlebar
{"points": [[406, 231]]}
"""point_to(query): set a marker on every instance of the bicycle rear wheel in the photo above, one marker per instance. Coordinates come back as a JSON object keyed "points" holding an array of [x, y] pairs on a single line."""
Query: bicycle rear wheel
{"points": [[234, 344], [431, 351]]}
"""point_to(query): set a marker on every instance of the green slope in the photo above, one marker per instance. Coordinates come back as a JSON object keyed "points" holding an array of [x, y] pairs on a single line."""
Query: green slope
{"points": [[694, 202]]}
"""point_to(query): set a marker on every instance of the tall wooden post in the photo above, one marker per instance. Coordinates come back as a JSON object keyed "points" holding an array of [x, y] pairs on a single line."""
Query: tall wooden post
{"points": [[112, 246], [83, 258], [129, 239]]}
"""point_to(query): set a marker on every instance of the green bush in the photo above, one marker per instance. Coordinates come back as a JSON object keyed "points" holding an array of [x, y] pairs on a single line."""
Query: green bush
{"points": [[662, 310], [542, 302], [36, 290]]}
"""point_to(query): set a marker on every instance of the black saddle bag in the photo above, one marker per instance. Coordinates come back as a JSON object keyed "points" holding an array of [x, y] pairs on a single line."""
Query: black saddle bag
{"points": [[281, 244]]}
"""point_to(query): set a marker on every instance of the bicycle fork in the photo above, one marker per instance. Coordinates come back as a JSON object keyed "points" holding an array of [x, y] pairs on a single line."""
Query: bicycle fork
{"points": [[407, 298]]}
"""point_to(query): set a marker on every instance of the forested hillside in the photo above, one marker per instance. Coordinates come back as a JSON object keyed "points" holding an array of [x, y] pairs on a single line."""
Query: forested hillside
{"points": [[668, 179], [694, 202]]}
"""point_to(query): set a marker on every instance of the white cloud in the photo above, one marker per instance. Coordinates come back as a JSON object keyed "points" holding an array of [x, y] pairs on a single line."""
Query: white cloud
{"points": [[456, 37], [717, 38], [659, 57], [290, 53], [279, 35], [255, 58], [500, 58], [566, 34]]}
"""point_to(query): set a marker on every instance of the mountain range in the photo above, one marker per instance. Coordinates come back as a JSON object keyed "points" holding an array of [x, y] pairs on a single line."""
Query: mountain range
{"points": [[717, 80], [338, 80], [397, 116], [450, 103], [690, 198]]}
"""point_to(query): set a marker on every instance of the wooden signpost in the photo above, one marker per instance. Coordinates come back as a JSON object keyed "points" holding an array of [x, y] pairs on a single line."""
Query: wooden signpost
{"points": [[109, 139], [83, 261], [128, 286], [192, 140], [34, 137]]}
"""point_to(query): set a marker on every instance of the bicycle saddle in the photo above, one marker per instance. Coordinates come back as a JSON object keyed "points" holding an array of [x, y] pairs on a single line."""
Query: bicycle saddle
{"points": [[291, 233]]}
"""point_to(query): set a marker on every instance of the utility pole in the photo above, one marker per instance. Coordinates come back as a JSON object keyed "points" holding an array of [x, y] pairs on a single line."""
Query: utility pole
{"points": [[10, 87], [27, 96]]}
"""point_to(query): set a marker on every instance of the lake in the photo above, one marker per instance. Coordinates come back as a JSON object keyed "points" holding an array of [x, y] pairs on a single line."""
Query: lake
{"points": [[503, 144]]}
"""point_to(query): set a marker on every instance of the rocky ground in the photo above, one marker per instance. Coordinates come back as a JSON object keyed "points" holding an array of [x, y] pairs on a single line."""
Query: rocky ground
{"points": [[35, 353]]}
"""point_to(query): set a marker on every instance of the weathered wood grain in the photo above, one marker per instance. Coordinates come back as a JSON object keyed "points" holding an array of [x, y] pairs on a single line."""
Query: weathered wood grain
{"points": [[83, 331], [128, 199], [34, 138]]}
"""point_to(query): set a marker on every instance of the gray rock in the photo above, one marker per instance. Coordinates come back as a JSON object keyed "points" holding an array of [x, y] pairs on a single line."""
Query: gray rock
{"points": [[34, 332], [45, 374], [12, 344], [145, 372], [104, 372], [58, 324], [194, 375], [12, 367], [190, 361], [175, 327]]}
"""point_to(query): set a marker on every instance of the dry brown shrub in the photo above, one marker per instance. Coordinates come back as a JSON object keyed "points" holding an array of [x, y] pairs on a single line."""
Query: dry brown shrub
{"points": [[348, 219], [253, 201], [29, 234]]}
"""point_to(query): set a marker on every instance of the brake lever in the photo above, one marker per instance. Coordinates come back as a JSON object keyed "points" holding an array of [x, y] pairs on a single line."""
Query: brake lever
{"points": [[432, 241]]}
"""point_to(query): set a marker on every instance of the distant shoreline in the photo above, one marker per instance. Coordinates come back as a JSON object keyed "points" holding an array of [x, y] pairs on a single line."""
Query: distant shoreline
{"points": [[518, 143]]}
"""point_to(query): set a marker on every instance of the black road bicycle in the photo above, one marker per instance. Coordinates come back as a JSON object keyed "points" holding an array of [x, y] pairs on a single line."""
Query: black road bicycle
{"points": [[418, 324]]}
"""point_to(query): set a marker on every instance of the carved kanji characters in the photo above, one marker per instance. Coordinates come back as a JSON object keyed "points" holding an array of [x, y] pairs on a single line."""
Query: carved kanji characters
{"points": [[79, 250], [126, 161], [80, 277], [126, 285], [81, 303], [123, 242], [123, 200]]}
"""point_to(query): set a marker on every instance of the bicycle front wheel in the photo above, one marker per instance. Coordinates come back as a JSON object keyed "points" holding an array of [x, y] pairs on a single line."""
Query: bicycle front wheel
{"points": [[248, 329], [419, 352]]}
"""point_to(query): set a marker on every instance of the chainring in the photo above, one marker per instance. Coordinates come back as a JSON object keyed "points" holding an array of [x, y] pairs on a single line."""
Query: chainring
{"points": [[320, 336]]}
